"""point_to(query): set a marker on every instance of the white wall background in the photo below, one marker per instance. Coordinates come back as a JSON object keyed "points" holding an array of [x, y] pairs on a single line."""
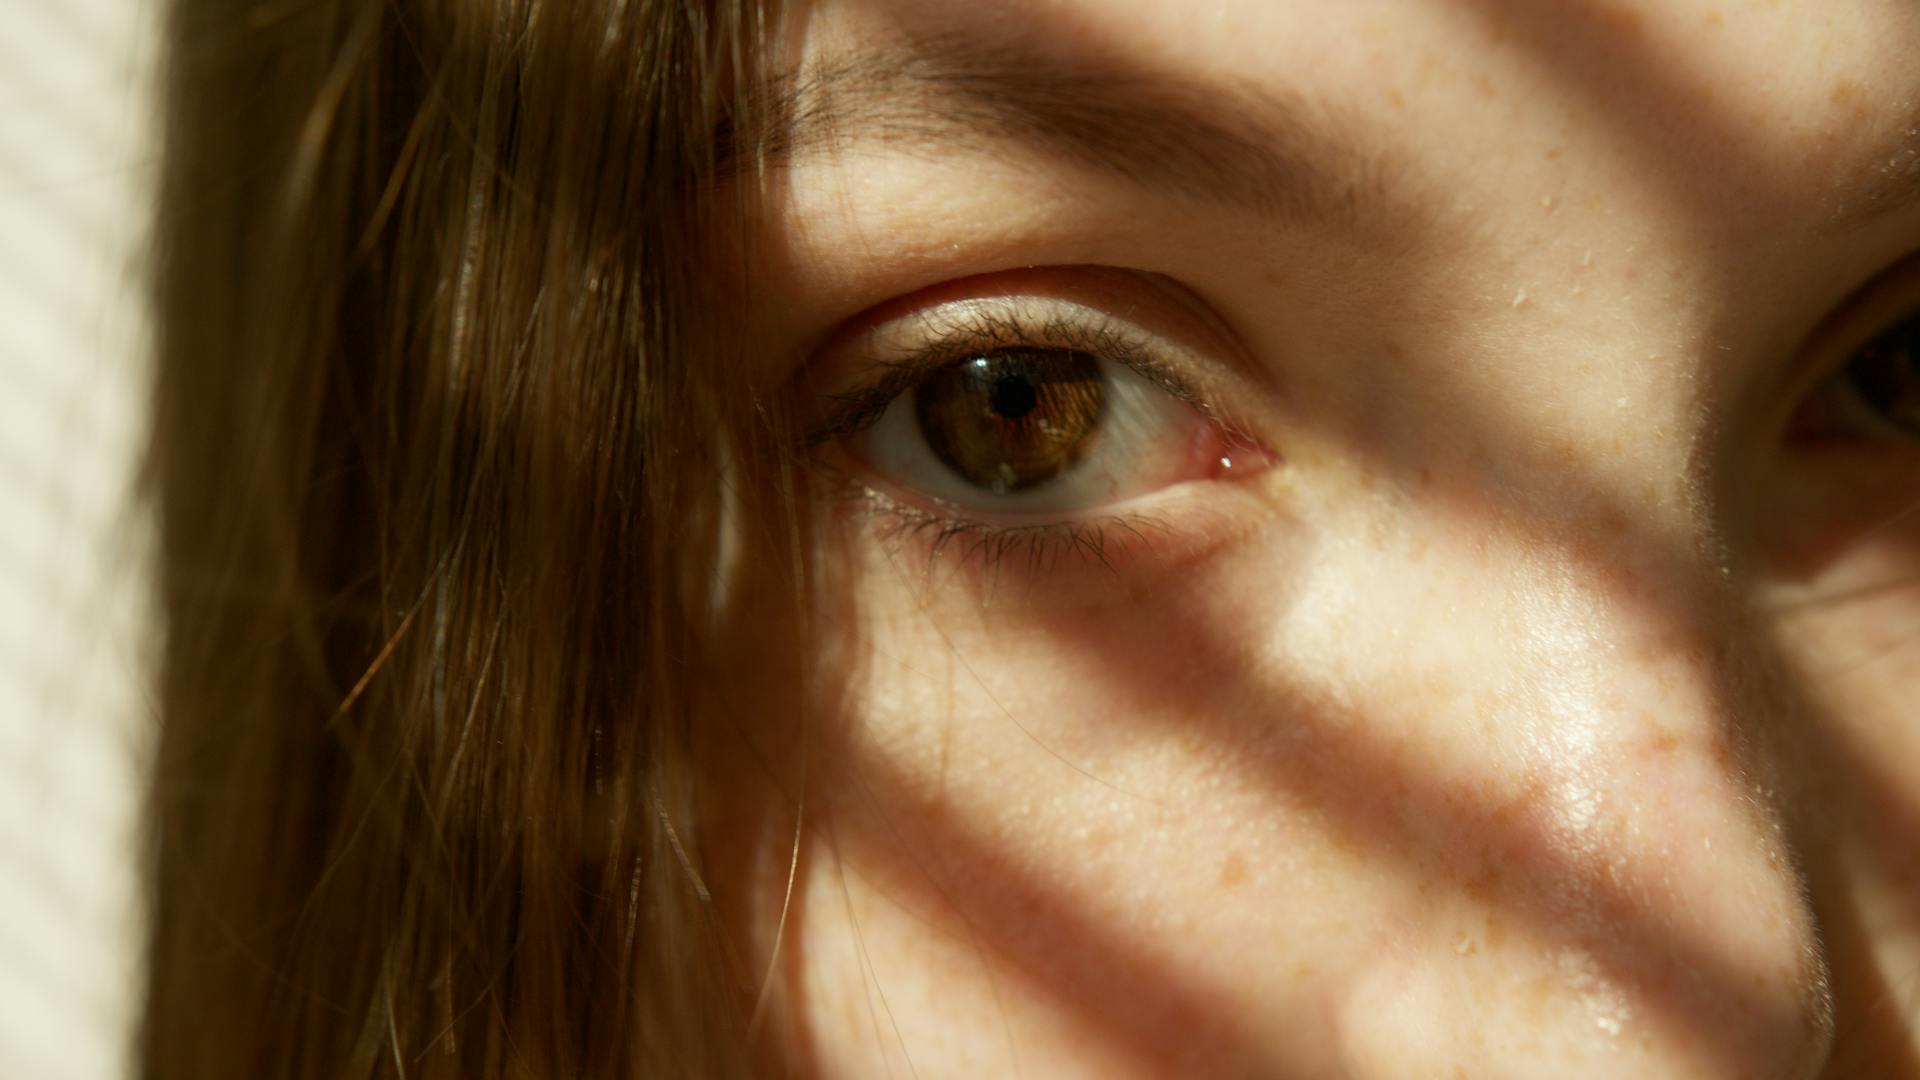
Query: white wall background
{"points": [[75, 165]]}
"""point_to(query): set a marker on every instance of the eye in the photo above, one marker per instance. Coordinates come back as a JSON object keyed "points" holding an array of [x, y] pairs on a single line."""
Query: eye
{"points": [[1875, 396], [1039, 431], [1039, 413], [1884, 377]]}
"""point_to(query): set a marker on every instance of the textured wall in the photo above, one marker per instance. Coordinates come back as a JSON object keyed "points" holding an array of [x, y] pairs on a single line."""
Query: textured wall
{"points": [[75, 163]]}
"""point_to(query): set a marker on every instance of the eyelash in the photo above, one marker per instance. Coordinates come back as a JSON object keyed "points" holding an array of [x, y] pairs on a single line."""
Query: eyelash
{"points": [[973, 331], [1038, 547], [949, 337]]}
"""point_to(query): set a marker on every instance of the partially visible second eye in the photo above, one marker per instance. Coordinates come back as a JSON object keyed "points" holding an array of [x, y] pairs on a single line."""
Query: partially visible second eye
{"points": [[1874, 397], [1030, 431], [1885, 376]]}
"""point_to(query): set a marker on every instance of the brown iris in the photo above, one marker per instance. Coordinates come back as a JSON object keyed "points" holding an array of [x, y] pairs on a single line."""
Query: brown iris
{"points": [[1887, 374], [1012, 419]]}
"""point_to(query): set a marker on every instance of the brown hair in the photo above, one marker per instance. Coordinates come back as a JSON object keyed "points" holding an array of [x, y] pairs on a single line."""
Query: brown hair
{"points": [[434, 483]]}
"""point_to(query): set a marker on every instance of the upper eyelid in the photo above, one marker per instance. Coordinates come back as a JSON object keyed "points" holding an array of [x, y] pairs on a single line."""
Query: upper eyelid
{"points": [[949, 333]]}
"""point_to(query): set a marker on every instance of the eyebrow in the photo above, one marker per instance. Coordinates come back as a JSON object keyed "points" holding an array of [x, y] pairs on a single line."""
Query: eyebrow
{"points": [[1249, 147], [1241, 146]]}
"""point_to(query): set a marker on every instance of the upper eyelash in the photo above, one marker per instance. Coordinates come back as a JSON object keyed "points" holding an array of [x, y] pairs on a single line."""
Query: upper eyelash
{"points": [[970, 331]]}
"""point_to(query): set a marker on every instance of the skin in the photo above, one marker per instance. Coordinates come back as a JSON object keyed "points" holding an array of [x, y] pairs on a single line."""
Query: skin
{"points": [[1533, 703]]}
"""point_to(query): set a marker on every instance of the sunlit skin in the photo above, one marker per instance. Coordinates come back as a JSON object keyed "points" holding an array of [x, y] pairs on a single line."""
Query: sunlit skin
{"points": [[1532, 698]]}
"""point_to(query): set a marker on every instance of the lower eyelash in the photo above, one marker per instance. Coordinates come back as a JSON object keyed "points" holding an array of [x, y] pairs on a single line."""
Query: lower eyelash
{"points": [[1032, 549]]}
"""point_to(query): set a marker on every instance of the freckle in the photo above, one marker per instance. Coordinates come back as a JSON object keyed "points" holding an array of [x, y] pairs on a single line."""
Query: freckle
{"points": [[1556, 153], [1845, 92], [1233, 873], [1715, 20]]}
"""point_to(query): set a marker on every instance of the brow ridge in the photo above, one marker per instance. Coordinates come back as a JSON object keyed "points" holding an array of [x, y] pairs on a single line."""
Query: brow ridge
{"points": [[1235, 145]]}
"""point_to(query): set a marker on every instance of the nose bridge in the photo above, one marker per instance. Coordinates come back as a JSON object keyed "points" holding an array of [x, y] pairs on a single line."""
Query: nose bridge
{"points": [[1593, 424], [1626, 616], [1617, 803], [1594, 637], [1622, 687]]}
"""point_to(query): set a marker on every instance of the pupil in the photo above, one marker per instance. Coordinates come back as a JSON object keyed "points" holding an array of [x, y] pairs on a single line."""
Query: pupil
{"points": [[1013, 396]]}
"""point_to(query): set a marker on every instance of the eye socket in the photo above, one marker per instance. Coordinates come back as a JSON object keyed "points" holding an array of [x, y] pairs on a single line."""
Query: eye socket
{"points": [[1030, 430], [1031, 407]]}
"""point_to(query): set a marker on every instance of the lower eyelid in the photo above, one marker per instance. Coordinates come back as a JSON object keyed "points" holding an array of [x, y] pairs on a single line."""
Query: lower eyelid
{"points": [[1157, 534], [1107, 542]]}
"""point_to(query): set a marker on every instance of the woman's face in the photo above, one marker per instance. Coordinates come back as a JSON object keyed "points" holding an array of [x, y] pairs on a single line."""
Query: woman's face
{"points": [[1360, 539]]}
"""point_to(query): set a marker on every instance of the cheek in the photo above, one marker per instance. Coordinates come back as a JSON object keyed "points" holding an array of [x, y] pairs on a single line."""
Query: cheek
{"points": [[1257, 815]]}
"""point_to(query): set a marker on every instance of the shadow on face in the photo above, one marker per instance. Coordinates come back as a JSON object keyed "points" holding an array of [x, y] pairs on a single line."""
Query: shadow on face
{"points": [[1478, 751]]}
